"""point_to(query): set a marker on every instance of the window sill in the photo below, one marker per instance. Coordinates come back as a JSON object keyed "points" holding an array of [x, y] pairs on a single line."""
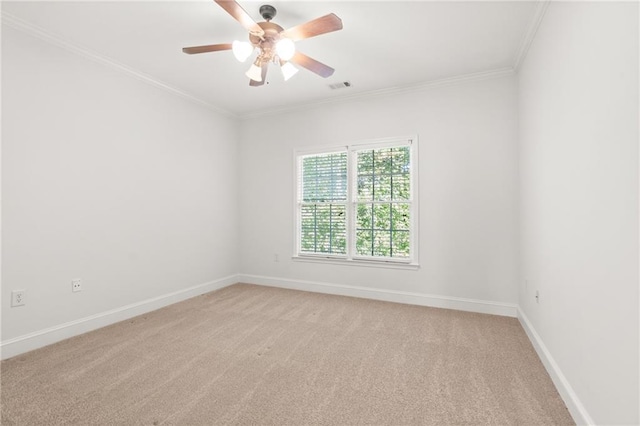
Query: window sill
{"points": [[357, 262]]}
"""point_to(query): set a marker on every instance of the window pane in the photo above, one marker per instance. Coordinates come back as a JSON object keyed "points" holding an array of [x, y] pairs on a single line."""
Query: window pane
{"points": [[400, 244], [401, 160], [383, 174], [363, 242], [365, 162], [401, 187], [374, 216], [324, 177], [365, 188], [364, 217], [382, 188], [307, 216], [382, 216], [401, 216], [382, 229], [323, 228], [339, 240], [383, 161], [308, 242], [382, 243]]}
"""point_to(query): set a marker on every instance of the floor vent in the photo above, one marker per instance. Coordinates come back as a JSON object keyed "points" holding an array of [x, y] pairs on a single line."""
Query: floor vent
{"points": [[340, 85]]}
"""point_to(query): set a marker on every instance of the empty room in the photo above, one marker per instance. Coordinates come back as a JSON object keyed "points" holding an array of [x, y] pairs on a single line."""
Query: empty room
{"points": [[320, 213]]}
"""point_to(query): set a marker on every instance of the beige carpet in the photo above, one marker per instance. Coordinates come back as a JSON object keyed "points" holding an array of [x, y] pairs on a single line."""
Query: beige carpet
{"points": [[257, 355]]}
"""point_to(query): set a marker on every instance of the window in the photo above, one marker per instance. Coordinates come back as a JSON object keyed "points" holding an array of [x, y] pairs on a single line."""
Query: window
{"points": [[357, 203]]}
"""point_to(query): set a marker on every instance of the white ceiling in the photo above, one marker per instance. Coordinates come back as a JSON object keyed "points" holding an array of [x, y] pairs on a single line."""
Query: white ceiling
{"points": [[384, 44]]}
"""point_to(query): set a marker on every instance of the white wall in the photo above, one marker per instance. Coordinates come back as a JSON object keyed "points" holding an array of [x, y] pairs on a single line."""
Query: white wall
{"points": [[578, 103], [468, 188], [132, 189], [107, 179]]}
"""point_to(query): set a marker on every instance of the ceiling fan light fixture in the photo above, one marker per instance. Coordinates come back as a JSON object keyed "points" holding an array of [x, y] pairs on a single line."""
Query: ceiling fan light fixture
{"points": [[242, 50], [285, 49], [288, 70], [274, 43], [255, 72]]}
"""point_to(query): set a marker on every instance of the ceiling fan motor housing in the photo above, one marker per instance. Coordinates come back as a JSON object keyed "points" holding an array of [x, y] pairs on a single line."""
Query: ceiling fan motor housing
{"points": [[267, 42], [268, 12]]}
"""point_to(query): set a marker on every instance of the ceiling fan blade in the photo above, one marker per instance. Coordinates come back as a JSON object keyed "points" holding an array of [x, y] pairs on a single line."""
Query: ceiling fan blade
{"points": [[240, 15], [312, 65], [254, 83], [203, 49], [322, 25]]}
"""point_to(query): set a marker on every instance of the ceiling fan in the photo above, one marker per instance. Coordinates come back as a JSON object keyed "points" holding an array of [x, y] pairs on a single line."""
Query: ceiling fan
{"points": [[274, 43]]}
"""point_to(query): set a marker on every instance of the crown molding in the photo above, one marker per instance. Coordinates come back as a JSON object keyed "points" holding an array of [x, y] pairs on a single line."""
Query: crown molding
{"points": [[529, 35], [42, 34], [449, 81]]}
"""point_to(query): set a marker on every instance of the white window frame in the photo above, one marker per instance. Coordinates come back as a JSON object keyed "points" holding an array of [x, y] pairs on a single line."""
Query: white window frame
{"points": [[351, 257]]}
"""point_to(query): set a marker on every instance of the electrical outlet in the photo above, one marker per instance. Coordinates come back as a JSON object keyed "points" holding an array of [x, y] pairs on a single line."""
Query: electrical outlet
{"points": [[76, 285], [537, 296], [18, 297], [276, 258]]}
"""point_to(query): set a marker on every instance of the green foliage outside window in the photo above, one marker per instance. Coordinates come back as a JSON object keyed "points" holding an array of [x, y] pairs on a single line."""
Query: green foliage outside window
{"points": [[323, 211], [382, 218], [383, 230], [382, 203], [323, 228]]}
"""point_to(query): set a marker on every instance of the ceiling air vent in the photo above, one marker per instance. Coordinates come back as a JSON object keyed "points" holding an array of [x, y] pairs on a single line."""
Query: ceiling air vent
{"points": [[341, 85]]}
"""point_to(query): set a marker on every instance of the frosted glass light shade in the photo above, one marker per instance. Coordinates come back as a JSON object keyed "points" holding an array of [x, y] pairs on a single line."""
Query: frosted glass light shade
{"points": [[285, 48], [288, 71], [254, 73], [241, 50]]}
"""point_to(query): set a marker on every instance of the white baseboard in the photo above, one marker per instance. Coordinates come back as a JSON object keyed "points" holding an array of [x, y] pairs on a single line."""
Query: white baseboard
{"points": [[38, 339], [460, 304], [576, 409]]}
